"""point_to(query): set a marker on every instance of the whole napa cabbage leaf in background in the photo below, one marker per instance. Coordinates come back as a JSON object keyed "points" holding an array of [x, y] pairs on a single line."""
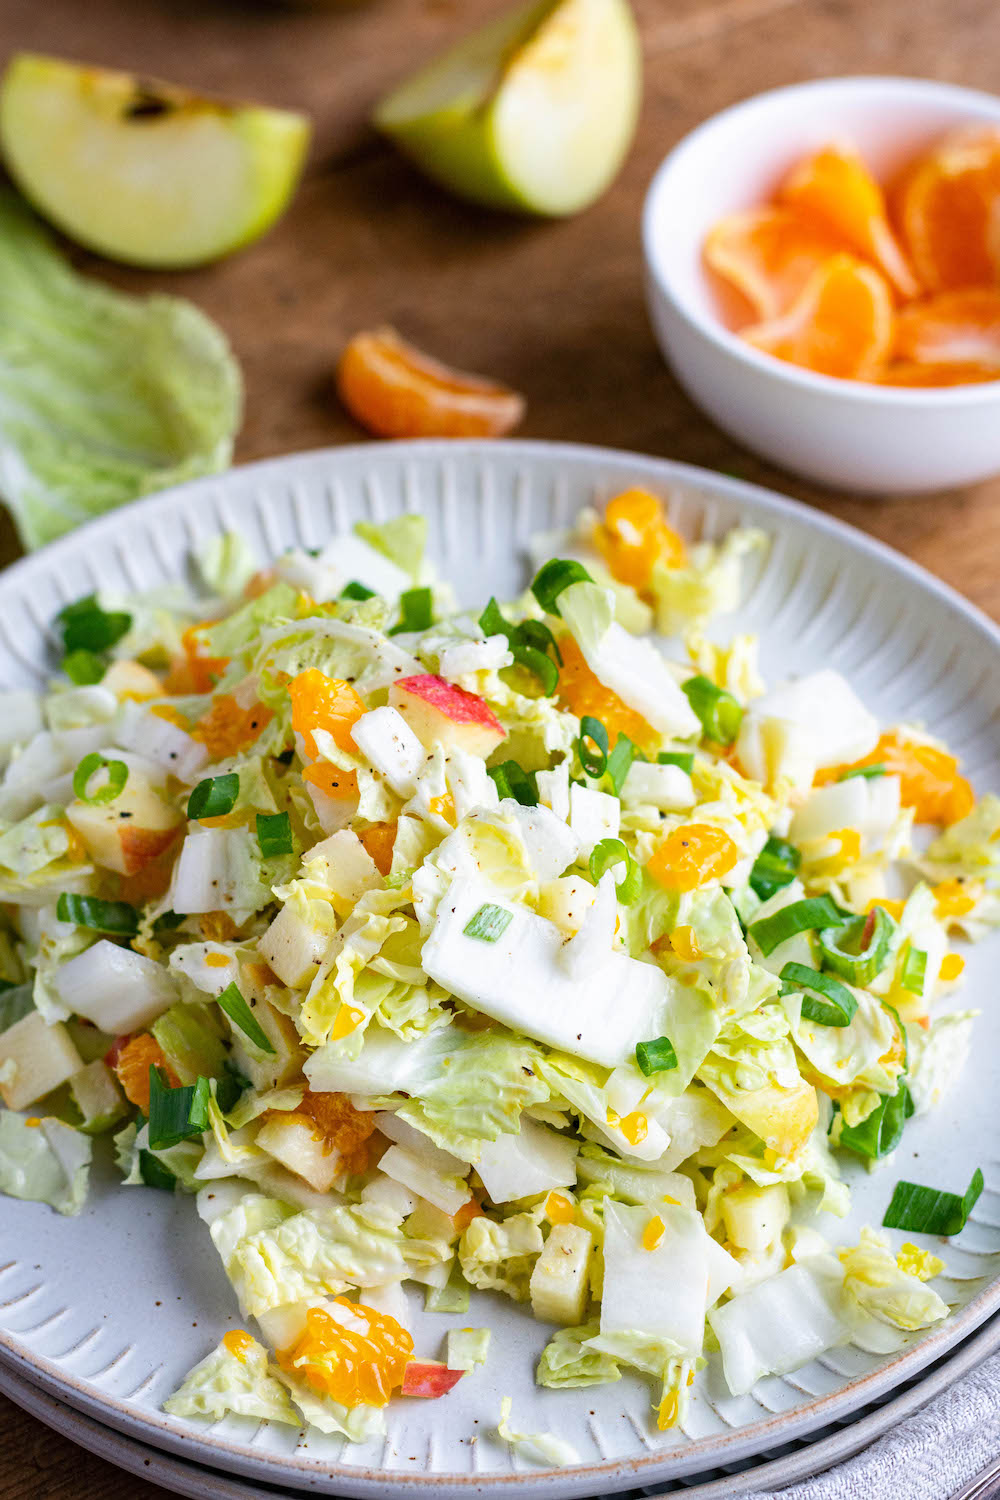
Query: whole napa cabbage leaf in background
{"points": [[103, 396]]}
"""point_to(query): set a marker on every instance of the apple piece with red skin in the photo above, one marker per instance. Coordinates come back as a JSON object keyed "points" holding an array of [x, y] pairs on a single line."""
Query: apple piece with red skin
{"points": [[128, 832], [429, 1378], [439, 713]]}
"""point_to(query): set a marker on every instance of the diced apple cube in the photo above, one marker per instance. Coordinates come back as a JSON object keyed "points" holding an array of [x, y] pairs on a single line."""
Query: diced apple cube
{"points": [[560, 1282], [294, 1141], [130, 680], [269, 1070], [755, 1216], [38, 1057], [386, 740], [127, 833], [120, 991], [439, 713], [343, 863], [293, 947]]}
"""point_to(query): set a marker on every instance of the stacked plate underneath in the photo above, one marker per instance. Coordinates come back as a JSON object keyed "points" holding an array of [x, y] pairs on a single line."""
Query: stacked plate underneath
{"points": [[102, 1315]]}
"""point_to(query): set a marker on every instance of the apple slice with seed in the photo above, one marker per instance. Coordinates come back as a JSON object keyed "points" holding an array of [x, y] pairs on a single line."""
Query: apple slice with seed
{"points": [[145, 172]]}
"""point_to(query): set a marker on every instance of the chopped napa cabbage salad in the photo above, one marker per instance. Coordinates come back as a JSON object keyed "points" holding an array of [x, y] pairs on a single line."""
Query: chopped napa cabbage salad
{"points": [[510, 950]]}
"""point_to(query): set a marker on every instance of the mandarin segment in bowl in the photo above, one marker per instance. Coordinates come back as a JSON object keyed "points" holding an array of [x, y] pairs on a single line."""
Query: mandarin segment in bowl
{"points": [[841, 324], [769, 254], [947, 205], [957, 329]]}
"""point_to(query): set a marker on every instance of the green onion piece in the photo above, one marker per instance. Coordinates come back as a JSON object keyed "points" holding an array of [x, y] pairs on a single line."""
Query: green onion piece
{"points": [[837, 1006], [416, 611], [914, 970], [488, 923], [230, 1086], [167, 921], [239, 1012], [776, 866], [868, 772], [883, 1129], [594, 762], [682, 758], [214, 797], [924, 1210], [274, 834], [553, 577], [655, 1057], [719, 712], [620, 762], [84, 625], [154, 1174], [512, 781], [799, 916], [99, 916], [356, 590], [536, 633], [176, 1114], [613, 852], [842, 950], [537, 662], [114, 786], [83, 667], [530, 643]]}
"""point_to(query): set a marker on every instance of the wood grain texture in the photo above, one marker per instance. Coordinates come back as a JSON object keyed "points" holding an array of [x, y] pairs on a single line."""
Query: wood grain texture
{"points": [[553, 309]]}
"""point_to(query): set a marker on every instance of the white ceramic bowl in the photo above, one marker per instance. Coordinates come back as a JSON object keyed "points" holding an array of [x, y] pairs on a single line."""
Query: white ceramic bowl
{"points": [[842, 433]]}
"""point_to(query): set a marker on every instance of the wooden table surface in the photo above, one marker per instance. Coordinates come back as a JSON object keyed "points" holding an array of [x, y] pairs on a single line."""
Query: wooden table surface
{"points": [[556, 310]]}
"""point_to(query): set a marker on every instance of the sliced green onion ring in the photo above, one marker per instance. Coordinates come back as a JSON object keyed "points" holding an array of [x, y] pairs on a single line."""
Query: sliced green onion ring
{"points": [[114, 786], [116, 917], [241, 1015], [837, 1005], [594, 762], [657, 1056], [719, 712], [808, 915], [274, 834], [553, 577], [924, 1210], [512, 781], [914, 970], [840, 946], [882, 1131], [214, 797], [682, 758], [611, 852], [776, 866], [416, 608], [488, 923], [83, 667]]}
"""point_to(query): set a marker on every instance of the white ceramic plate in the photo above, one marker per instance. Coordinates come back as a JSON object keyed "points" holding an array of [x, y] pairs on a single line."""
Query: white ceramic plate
{"points": [[805, 1460], [109, 1310]]}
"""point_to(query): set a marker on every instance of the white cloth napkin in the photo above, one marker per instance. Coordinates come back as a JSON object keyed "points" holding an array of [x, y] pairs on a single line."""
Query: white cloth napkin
{"points": [[929, 1456]]}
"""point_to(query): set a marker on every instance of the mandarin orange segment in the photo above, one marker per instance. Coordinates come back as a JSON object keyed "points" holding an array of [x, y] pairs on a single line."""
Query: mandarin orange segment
{"points": [[946, 206], [332, 781], [227, 728], [343, 1128], [635, 535], [768, 255], [954, 328], [321, 702], [359, 1362], [583, 693], [691, 856], [396, 391], [835, 188], [132, 1067], [196, 672], [379, 840], [929, 779], [841, 325]]}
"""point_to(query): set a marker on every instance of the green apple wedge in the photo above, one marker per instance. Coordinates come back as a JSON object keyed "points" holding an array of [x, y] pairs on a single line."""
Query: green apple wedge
{"points": [[533, 113], [145, 172]]}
